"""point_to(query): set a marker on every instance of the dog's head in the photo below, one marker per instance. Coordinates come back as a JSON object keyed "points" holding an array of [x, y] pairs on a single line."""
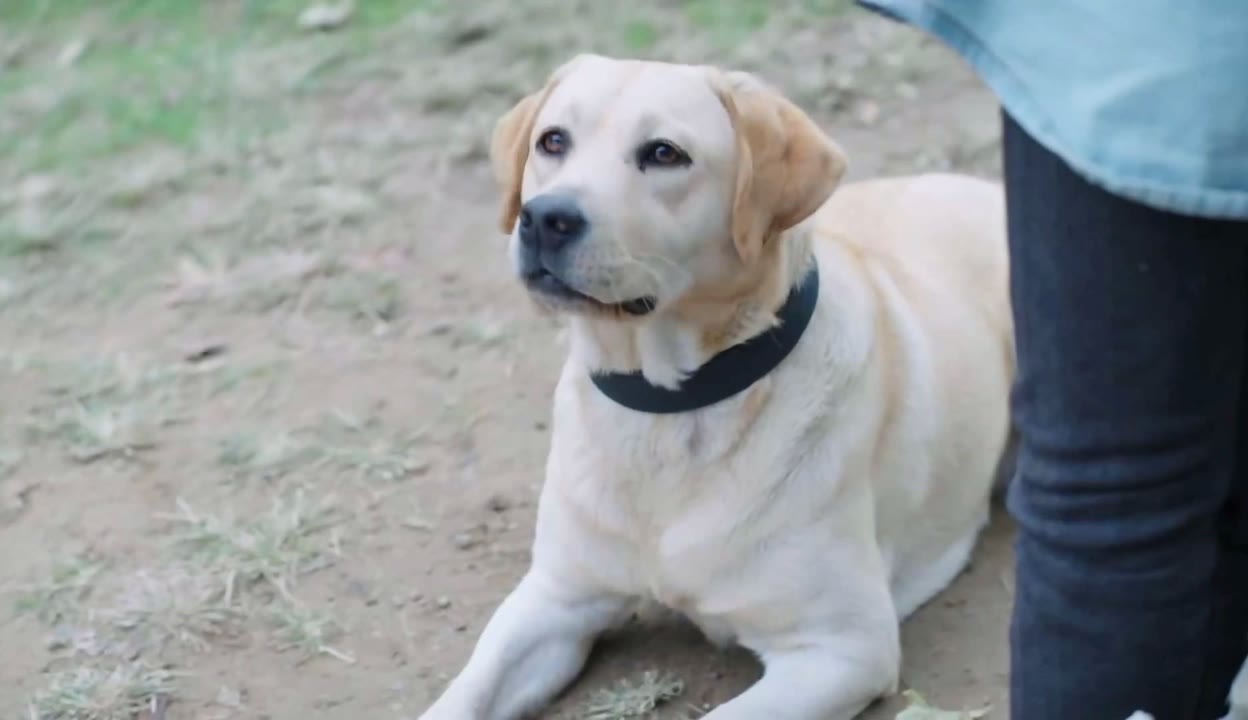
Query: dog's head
{"points": [[627, 184]]}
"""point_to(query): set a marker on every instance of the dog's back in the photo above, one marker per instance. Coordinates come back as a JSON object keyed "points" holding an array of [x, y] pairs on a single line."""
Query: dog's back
{"points": [[933, 249], [942, 228]]}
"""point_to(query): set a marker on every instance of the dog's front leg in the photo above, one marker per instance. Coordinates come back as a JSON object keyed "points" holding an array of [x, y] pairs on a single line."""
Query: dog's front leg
{"points": [[535, 644], [1238, 700], [829, 668], [834, 682]]}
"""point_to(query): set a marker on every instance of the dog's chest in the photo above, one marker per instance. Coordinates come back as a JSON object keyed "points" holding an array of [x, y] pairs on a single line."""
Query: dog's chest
{"points": [[658, 511]]}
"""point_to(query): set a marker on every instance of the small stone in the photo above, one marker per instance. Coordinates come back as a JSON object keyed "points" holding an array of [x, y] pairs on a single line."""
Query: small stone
{"points": [[464, 541], [229, 697], [56, 643], [326, 17], [72, 52], [463, 627], [416, 467], [342, 203], [498, 503], [37, 188], [359, 588], [443, 603], [417, 523], [867, 112], [416, 596]]}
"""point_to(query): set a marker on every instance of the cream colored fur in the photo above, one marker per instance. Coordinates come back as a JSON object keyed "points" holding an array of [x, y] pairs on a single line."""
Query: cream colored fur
{"points": [[807, 516], [1238, 700]]}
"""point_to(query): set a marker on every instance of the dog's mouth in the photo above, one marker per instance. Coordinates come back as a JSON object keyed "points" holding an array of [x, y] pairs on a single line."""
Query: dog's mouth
{"points": [[543, 282]]}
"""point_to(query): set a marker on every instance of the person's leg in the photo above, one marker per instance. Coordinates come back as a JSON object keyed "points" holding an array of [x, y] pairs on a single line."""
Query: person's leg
{"points": [[1130, 327], [1231, 633]]}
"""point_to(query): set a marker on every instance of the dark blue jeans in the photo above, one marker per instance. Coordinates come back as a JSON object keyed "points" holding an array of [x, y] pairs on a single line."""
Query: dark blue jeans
{"points": [[1132, 587]]}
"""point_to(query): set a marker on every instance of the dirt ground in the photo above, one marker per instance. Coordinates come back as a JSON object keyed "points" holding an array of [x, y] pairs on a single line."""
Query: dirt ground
{"points": [[273, 414]]}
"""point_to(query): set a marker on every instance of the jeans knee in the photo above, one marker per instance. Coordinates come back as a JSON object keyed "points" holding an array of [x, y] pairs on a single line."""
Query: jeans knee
{"points": [[1121, 510]]}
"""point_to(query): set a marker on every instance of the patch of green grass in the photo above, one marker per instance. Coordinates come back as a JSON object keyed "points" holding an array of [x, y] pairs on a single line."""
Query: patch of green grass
{"points": [[640, 35], [366, 14], [150, 71], [117, 96], [827, 7], [88, 693], [728, 21], [61, 594], [269, 16]]}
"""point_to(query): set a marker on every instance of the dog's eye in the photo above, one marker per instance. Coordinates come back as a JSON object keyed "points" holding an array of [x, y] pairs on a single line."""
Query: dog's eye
{"points": [[553, 142], [661, 153]]}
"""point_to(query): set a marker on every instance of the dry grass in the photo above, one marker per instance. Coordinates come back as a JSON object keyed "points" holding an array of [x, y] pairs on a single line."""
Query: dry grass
{"points": [[267, 453], [61, 595], [362, 447], [10, 459], [638, 698], [359, 448], [117, 693], [306, 631], [115, 407], [274, 549], [174, 604], [918, 708]]}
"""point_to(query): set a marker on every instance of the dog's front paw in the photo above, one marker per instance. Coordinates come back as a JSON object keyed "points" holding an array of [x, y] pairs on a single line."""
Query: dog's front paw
{"points": [[438, 712], [449, 707]]}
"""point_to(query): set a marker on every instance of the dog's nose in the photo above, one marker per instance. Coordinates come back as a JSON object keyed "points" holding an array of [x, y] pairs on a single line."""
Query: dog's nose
{"points": [[550, 222]]}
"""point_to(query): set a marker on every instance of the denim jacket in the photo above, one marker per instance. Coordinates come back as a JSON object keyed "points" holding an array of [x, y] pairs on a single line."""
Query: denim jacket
{"points": [[1147, 98]]}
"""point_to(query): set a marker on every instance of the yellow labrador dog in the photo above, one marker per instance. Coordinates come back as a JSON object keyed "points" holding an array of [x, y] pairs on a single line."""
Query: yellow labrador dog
{"points": [[783, 408]]}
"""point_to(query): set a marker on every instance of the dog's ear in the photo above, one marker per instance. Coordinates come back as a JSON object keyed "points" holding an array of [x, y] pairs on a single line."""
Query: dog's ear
{"points": [[787, 166], [509, 146], [509, 152]]}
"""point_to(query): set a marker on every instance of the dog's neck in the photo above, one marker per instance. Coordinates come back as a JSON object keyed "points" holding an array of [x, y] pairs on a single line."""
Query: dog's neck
{"points": [[669, 345]]}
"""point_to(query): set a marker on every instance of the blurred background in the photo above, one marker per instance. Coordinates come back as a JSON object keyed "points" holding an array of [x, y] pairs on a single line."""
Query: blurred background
{"points": [[272, 412]]}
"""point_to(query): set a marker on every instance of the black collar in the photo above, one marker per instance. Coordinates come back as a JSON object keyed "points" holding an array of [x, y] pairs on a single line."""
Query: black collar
{"points": [[729, 372]]}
